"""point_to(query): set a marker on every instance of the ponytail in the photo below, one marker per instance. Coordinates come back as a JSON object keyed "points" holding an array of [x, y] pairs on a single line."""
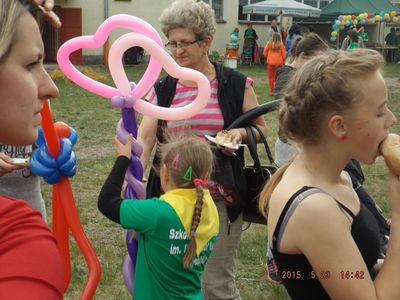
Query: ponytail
{"points": [[265, 195]]}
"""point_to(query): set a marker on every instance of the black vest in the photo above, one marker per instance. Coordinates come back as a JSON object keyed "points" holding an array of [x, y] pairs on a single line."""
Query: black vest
{"points": [[231, 88]]}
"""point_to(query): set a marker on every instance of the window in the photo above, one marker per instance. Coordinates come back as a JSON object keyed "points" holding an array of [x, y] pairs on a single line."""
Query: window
{"points": [[322, 3], [313, 3], [218, 7], [256, 18]]}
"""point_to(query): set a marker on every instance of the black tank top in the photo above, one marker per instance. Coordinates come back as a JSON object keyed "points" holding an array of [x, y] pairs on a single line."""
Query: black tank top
{"points": [[364, 230]]}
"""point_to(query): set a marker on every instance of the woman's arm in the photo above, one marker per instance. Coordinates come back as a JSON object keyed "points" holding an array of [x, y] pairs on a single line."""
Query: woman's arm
{"points": [[391, 265], [109, 201], [250, 102], [147, 138]]}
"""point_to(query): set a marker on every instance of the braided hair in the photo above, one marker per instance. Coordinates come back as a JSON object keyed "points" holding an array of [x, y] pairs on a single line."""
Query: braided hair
{"points": [[325, 85], [178, 154]]}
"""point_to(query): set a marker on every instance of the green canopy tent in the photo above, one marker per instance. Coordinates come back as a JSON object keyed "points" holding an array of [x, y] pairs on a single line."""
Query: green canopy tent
{"points": [[350, 7], [353, 7]]}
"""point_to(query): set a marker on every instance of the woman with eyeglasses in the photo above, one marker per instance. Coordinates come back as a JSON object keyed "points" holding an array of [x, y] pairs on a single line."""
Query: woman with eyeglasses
{"points": [[190, 27]]}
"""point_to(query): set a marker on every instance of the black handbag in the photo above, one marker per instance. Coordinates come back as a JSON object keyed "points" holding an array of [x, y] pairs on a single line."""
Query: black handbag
{"points": [[256, 175]]}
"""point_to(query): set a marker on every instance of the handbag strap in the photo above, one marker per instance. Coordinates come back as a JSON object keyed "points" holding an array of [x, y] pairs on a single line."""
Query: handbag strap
{"points": [[252, 146], [265, 142]]}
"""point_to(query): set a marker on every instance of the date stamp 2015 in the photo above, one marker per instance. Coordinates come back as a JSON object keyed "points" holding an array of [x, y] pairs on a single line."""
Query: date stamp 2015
{"points": [[291, 275], [321, 275]]}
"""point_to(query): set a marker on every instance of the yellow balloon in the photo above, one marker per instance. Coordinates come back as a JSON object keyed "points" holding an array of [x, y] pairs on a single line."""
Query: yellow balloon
{"points": [[334, 33], [395, 19]]}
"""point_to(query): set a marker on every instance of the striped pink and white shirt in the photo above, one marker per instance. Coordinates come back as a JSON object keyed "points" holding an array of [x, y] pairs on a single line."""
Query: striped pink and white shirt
{"points": [[208, 122]]}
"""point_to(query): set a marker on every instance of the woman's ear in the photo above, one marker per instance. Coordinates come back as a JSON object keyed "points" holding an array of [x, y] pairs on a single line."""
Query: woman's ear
{"points": [[207, 43], [337, 127]]}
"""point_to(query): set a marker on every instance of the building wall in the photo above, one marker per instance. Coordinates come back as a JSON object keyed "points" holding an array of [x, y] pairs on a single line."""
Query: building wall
{"points": [[93, 14]]}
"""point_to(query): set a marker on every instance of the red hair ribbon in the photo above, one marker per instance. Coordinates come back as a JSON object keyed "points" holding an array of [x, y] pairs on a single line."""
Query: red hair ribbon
{"points": [[201, 182]]}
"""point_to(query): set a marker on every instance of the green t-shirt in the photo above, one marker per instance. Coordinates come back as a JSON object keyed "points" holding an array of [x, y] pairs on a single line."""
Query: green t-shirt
{"points": [[162, 240], [396, 40], [391, 39], [352, 45]]}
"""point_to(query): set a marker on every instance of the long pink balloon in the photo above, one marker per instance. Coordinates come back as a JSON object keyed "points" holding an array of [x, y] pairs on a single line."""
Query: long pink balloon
{"points": [[96, 41], [121, 81]]}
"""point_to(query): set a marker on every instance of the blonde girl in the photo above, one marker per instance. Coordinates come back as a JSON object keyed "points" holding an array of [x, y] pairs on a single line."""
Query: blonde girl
{"points": [[178, 230], [326, 242], [275, 54]]}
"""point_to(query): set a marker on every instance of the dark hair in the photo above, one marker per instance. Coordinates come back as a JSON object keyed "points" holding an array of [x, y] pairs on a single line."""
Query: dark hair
{"points": [[294, 29], [309, 45], [353, 35]]}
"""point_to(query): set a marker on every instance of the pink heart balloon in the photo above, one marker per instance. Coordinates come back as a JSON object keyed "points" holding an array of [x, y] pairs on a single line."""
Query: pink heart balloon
{"points": [[96, 41], [121, 81]]}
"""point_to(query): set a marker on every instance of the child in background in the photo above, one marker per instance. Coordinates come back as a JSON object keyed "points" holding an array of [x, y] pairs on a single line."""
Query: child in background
{"points": [[275, 54], [178, 230]]}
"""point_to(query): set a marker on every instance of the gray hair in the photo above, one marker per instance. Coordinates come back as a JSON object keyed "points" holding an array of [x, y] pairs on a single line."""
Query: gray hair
{"points": [[197, 16], [10, 12]]}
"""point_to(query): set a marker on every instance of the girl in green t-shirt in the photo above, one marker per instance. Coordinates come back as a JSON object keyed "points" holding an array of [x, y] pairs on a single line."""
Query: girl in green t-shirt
{"points": [[177, 231]]}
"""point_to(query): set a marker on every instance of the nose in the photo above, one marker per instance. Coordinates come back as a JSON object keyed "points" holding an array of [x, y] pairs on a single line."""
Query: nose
{"points": [[392, 119], [47, 88]]}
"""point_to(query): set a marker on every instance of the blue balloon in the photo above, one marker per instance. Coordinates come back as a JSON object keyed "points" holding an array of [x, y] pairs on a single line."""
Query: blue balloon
{"points": [[52, 169]]}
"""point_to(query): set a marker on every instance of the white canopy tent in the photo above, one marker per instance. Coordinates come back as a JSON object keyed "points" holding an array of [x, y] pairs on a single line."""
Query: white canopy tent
{"points": [[289, 8]]}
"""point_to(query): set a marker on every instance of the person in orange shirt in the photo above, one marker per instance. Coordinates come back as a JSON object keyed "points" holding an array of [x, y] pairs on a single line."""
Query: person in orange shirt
{"points": [[275, 54]]}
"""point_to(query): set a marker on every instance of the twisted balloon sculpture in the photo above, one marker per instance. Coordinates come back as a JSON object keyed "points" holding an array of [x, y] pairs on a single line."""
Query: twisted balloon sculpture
{"points": [[55, 162], [128, 97]]}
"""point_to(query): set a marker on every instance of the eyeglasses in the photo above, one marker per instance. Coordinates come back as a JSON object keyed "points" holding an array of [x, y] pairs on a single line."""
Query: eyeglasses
{"points": [[182, 45]]}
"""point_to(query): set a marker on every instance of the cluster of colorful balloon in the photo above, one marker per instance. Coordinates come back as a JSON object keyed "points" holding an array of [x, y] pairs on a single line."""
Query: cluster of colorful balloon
{"points": [[364, 18]]}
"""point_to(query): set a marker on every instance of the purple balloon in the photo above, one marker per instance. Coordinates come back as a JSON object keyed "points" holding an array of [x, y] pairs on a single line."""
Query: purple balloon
{"points": [[128, 273], [132, 245], [129, 117], [135, 188]]}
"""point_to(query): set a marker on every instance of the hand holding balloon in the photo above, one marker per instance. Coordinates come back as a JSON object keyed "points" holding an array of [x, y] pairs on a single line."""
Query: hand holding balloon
{"points": [[124, 149], [390, 150]]}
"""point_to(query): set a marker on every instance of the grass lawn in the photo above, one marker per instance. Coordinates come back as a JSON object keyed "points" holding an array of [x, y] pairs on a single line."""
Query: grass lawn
{"points": [[95, 121]]}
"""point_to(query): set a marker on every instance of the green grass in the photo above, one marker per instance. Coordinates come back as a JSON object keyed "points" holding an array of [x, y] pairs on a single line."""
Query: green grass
{"points": [[95, 121]]}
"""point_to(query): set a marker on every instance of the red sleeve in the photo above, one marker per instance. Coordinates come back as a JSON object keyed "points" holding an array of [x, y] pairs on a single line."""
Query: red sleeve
{"points": [[31, 266]]}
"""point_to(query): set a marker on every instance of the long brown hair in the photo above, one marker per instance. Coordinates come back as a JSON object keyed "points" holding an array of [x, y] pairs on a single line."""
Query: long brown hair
{"points": [[324, 85], [310, 45], [180, 153]]}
